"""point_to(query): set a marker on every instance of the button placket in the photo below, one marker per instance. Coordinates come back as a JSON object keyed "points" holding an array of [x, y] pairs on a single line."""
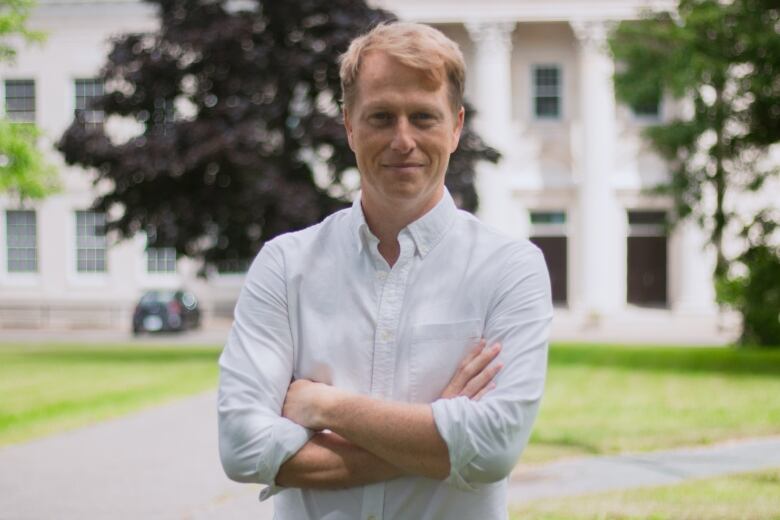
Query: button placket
{"points": [[391, 286]]}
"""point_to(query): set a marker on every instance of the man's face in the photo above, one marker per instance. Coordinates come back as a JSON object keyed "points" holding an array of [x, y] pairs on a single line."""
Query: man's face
{"points": [[402, 129]]}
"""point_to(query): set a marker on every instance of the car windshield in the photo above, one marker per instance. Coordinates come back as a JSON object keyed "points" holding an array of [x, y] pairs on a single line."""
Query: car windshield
{"points": [[158, 296]]}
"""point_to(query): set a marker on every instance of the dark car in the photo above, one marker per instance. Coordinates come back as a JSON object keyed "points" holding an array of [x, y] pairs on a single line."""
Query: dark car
{"points": [[166, 310]]}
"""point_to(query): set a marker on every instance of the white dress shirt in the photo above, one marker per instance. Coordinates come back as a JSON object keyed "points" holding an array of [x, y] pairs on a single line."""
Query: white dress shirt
{"points": [[322, 304]]}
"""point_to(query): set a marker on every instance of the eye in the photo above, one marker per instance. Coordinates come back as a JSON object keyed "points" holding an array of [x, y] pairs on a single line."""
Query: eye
{"points": [[423, 118], [380, 118]]}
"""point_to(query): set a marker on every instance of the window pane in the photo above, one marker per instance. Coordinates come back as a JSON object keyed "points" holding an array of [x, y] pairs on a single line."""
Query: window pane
{"points": [[161, 260], [649, 106], [547, 91], [233, 266], [90, 242], [86, 91], [20, 100], [21, 238], [548, 217]]}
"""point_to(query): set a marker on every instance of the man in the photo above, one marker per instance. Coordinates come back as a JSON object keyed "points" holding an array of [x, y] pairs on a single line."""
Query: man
{"points": [[354, 382]]}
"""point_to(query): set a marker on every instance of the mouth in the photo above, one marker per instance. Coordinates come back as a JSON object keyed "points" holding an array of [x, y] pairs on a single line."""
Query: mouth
{"points": [[405, 166]]}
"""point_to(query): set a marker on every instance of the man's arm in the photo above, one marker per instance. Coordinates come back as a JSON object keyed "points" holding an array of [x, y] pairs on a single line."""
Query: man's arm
{"points": [[465, 441], [328, 461], [389, 431], [255, 370]]}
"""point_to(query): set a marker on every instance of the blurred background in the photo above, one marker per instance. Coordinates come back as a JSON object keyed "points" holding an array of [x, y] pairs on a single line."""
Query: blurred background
{"points": [[149, 149]]}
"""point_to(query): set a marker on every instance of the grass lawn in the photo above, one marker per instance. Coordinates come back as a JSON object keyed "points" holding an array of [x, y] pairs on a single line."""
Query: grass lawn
{"points": [[599, 399], [53, 387], [608, 399], [749, 496]]}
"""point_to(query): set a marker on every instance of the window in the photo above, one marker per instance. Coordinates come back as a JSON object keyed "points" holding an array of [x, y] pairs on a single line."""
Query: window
{"points": [[548, 233], [648, 105], [161, 260], [90, 242], [233, 266], [21, 237], [548, 217], [647, 258], [86, 91], [649, 110], [20, 100], [547, 91]]}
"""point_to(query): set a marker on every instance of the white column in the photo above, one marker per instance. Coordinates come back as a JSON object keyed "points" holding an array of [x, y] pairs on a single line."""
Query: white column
{"points": [[493, 80], [691, 268], [492, 75], [602, 268]]}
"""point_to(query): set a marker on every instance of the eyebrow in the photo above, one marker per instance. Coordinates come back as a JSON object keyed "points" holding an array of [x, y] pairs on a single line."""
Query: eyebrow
{"points": [[379, 107]]}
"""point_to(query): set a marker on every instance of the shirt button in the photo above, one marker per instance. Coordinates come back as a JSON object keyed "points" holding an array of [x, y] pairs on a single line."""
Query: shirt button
{"points": [[386, 335], [381, 275], [371, 517]]}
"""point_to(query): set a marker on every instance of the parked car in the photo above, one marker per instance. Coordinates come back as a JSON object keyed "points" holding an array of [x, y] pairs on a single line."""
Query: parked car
{"points": [[166, 310]]}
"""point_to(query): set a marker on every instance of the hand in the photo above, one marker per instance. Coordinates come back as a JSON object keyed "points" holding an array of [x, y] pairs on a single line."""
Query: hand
{"points": [[474, 377], [307, 401]]}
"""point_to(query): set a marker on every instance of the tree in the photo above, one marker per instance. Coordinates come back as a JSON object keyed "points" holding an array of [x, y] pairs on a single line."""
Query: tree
{"points": [[23, 170], [240, 132], [723, 59]]}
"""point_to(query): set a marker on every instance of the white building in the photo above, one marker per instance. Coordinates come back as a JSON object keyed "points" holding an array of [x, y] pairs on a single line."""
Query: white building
{"points": [[573, 177]]}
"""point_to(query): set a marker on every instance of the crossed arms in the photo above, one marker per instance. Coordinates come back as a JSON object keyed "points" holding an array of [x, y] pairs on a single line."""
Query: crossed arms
{"points": [[377, 431], [267, 426]]}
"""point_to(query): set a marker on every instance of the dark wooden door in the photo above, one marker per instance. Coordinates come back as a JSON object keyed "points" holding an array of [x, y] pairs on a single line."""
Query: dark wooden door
{"points": [[555, 254], [647, 270]]}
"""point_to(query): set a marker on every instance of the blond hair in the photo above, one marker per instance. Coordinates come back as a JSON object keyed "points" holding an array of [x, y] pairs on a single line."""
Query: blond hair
{"points": [[415, 45]]}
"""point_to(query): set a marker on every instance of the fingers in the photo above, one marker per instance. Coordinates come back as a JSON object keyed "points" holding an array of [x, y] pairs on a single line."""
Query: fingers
{"points": [[490, 386], [480, 362], [474, 371], [484, 378]]}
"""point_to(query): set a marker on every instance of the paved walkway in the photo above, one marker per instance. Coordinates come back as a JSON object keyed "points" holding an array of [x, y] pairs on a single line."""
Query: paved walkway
{"points": [[594, 474], [162, 463]]}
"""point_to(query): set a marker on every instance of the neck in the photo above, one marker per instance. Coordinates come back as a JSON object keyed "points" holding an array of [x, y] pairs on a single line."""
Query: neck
{"points": [[387, 218]]}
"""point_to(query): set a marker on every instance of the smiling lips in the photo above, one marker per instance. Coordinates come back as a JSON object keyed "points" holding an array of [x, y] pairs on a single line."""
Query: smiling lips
{"points": [[405, 166]]}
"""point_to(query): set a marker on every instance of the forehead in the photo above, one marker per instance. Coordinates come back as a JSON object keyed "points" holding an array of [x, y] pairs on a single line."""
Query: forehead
{"points": [[381, 75]]}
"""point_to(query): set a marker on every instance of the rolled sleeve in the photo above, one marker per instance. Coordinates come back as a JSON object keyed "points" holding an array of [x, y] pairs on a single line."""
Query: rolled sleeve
{"points": [[485, 438], [255, 371]]}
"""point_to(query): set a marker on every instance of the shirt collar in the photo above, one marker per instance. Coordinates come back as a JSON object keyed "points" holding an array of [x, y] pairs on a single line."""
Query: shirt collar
{"points": [[426, 231]]}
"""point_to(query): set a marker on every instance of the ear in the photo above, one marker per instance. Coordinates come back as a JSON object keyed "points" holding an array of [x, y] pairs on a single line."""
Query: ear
{"points": [[348, 127], [456, 131]]}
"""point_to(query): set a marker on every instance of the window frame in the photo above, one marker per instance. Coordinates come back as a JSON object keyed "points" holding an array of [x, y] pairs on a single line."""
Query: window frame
{"points": [[88, 112], [8, 113], [155, 251], [9, 247], [535, 68], [78, 237]]}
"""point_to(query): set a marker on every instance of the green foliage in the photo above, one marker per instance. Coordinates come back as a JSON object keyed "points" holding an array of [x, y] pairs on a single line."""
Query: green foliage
{"points": [[13, 20], [263, 150], [23, 170], [22, 167], [722, 59], [756, 293]]}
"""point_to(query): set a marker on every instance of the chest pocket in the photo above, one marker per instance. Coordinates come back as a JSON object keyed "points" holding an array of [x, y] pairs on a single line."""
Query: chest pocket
{"points": [[436, 350]]}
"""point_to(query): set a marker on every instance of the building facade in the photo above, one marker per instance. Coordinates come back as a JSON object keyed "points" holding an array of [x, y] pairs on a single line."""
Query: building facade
{"points": [[574, 177]]}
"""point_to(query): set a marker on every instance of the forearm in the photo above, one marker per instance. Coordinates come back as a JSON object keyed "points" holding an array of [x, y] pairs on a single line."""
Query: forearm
{"points": [[328, 461], [400, 432]]}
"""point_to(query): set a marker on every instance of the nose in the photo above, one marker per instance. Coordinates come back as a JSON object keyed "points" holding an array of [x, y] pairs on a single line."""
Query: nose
{"points": [[403, 141]]}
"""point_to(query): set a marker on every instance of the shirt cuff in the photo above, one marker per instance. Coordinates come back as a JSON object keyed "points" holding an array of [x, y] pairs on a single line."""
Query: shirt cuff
{"points": [[448, 415], [288, 438]]}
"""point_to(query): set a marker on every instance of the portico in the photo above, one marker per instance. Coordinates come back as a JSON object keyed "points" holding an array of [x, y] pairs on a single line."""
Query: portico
{"points": [[574, 177]]}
